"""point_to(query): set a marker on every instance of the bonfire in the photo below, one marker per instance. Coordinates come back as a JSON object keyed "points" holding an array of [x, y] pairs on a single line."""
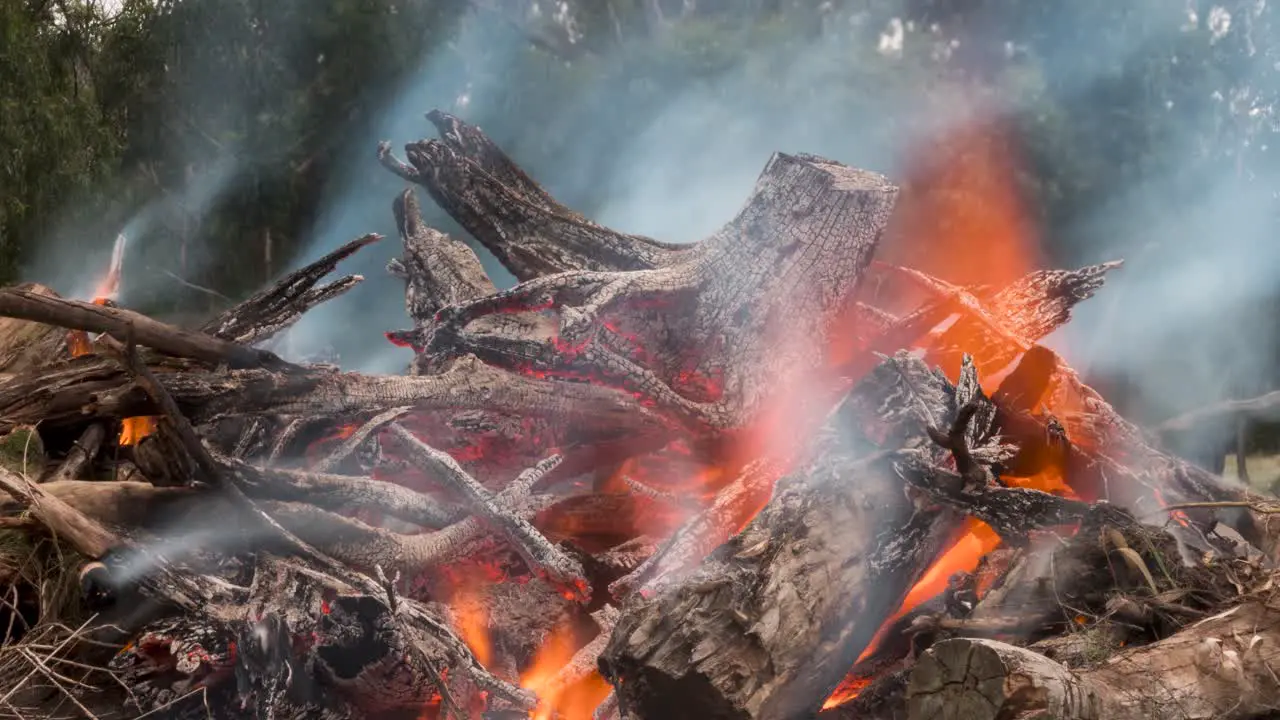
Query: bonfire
{"points": [[776, 474]]}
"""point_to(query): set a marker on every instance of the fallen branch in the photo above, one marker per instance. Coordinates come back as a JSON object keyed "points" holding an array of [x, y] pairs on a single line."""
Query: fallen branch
{"points": [[541, 556], [117, 322]]}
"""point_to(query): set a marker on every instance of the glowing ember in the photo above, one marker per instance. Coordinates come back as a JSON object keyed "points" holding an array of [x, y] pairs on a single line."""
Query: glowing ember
{"points": [[846, 691]]}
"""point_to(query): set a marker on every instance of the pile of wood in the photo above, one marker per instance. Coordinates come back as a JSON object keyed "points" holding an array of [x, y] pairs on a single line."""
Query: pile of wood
{"points": [[716, 480]]}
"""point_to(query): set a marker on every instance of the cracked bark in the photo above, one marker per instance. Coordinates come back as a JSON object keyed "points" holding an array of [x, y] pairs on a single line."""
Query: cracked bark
{"points": [[273, 310]]}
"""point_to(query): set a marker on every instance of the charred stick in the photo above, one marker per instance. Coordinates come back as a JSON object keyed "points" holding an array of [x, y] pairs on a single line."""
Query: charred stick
{"points": [[357, 438], [117, 322], [956, 441], [250, 438], [280, 305], [534, 548], [285, 437], [82, 453], [1012, 512], [266, 330]]}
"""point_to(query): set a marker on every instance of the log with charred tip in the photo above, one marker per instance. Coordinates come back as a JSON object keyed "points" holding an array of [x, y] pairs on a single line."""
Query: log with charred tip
{"points": [[766, 627], [274, 309]]}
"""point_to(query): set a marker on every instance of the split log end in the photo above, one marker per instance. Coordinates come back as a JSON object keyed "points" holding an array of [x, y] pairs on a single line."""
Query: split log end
{"points": [[975, 679]]}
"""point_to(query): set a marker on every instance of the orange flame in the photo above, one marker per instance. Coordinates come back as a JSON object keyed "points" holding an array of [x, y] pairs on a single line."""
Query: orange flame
{"points": [[961, 219], [573, 701], [471, 615], [133, 429]]}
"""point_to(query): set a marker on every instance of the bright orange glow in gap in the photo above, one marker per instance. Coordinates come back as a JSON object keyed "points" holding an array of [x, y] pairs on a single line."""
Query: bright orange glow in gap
{"points": [[576, 701], [472, 617]]}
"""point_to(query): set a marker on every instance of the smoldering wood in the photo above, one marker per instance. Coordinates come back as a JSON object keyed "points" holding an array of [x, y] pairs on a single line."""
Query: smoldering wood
{"points": [[357, 438], [440, 271], [73, 314], [1097, 434], [1217, 668], [539, 553], [768, 624], [276, 308], [805, 212]]}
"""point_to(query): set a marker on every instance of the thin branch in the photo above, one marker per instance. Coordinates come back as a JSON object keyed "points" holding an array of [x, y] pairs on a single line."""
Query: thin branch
{"points": [[540, 554], [357, 438]]}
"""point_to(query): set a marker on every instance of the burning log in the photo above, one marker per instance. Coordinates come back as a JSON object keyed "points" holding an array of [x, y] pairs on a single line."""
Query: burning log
{"points": [[1217, 668], [628, 328], [771, 621]]}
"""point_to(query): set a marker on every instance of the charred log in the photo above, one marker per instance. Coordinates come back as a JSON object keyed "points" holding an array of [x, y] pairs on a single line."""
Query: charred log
{"points": [[768, 625], [1218, 668]]}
